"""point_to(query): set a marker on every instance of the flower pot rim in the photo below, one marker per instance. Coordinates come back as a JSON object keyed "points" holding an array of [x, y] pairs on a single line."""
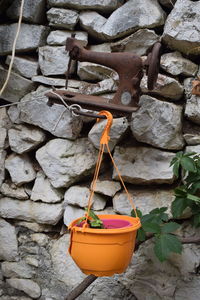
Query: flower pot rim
{"points": [[134, 225]]}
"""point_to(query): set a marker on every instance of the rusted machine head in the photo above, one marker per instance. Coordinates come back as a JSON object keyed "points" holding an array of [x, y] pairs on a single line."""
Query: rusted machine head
{"points": [[130, 70]]}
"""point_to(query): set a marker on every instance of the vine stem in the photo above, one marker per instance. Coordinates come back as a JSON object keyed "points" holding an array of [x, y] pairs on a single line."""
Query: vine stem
{"points": [[79, 289]]}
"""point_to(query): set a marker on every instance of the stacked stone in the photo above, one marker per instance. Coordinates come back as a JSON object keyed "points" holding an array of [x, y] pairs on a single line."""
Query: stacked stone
{"points": [[47, 156]]}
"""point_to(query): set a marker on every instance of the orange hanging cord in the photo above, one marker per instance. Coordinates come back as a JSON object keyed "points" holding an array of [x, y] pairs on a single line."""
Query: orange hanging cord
{"points": [[104, 142]]}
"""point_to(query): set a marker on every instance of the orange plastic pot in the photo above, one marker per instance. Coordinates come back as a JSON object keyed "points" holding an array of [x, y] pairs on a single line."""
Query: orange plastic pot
{"points": [[104, 252]]}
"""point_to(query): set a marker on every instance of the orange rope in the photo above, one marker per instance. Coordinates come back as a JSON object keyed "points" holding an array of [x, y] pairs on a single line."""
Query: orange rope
{"points": [[104, 142]]}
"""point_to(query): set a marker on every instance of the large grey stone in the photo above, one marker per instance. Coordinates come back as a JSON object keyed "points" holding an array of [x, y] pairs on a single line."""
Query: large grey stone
{"points": [[30, 211], [133, 15], [182, 27], [93, 22], [145, 200], [71, 213], [20, 168], [30, 37], [23, 138], [24, 66], [44, 191], [58, 37], [118, 129], [141, 165], [62, 18], [56, 118], [17, 86], [33, 11], [53, 60], [107, 187], [11, 190], [8, 241], [192, 109], [65, 162], [28, 286], [2, 165], [94, 72], [102, 87], [138, 42], [158, 123], [51, 81], [79, 196], [103, 5], [17, 270], [175, 64], [166, 86]]}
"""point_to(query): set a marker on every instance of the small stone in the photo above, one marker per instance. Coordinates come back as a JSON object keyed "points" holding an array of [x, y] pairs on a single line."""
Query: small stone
{"points": [[58, 37], [33, 11], [195, 148], [138, 42], [4, 119], [53, 60], [2, 165], [3, 137], [17, 87], [24, 66], [40, 238], [93, 22], [8, 241], [65, 162], [181, 31], [49, 81], [32, 261], [29, 287], [107, 187], [30, 37], [192, 109], [79, 196], [35, 226], [94, 72], [56, 118], [141, 165], [23, 138], [71, 213], [14, 114], [20, 168], [166, 86], [168, 3], [158, 123], [44, 191], [104, 86], [175, 64], [17, 270], [145, 16], [192, 139], [118, 129], [145, 200], [30, 211], [13, 191], [105, 47], [62, 18], [105, 6]]}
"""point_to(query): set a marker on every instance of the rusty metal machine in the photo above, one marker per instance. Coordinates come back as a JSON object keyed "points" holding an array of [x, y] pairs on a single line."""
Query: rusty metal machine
{"points": [[130, 70]]}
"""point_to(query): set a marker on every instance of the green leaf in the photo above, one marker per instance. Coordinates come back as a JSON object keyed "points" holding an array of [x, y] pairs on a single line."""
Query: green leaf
{"points": [[180, 191], [179, 154], [151, 227], [190, 154], [194, 188], [139, 213], [165, 244], [188, 164], [176, 169], [141, 236], [178, 206], [193, 198], [169, 227], [93, 215], [196, 220]]}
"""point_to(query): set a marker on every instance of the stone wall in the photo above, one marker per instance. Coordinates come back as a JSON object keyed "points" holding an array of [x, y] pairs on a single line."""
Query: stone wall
{"points": [[46, 165]]}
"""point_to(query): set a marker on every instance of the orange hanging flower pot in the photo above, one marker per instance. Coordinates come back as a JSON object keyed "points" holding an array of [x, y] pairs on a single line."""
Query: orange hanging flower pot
{"points": [[104, 252], [107, 251]]}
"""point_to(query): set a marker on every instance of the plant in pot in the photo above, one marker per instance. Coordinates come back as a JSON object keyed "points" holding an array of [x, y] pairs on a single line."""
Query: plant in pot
{"points": [[103, 245]]}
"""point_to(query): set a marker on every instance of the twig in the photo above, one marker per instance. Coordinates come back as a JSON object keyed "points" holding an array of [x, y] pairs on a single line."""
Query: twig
{"points": [[81, 287]]}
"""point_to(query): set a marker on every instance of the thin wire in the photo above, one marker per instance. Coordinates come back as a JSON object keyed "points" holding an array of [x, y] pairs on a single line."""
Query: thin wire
{"points": [[13, 48]]}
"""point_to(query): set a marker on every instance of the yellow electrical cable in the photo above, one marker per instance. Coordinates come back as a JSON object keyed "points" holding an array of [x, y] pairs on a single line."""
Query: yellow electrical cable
{"points": [[13, 48]]}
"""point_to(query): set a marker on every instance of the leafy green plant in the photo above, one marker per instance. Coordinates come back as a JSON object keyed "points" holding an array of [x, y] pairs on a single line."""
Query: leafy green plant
{"points": [[93, 221], [187, 194], [156, 223]]}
